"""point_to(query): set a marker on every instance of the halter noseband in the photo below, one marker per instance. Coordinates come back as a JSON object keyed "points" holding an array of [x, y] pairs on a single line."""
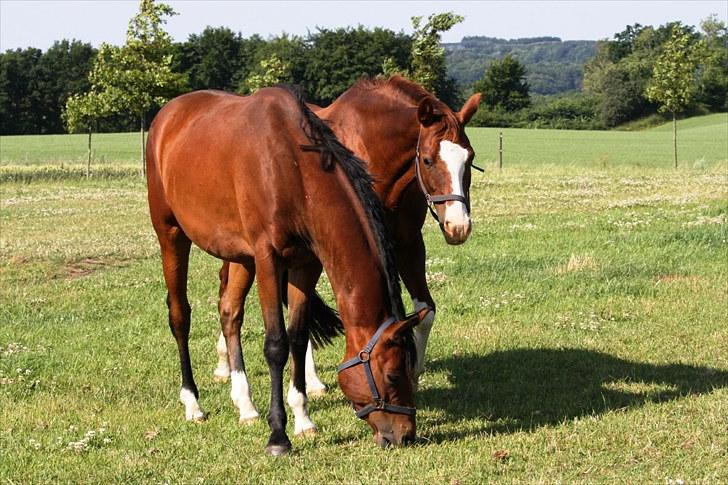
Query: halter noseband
{"points": [[435, 199], [378, 403]]}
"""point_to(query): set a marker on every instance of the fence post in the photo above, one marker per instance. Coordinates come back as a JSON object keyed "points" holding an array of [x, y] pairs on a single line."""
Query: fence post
{"points": [[500, 150]]}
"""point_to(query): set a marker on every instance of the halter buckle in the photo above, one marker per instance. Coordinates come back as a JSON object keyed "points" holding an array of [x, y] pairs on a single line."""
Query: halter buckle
{"points": [[364, 356], [379, 404]]}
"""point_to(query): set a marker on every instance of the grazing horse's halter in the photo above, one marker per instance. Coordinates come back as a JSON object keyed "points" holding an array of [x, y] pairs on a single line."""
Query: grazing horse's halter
{"points": [[378, 403], [436, 199]]}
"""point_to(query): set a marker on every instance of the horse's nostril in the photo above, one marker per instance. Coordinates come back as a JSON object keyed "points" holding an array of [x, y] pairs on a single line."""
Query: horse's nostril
{"points": [[385, 439]]}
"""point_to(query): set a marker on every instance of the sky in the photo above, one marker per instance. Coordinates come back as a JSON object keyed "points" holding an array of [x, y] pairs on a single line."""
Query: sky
{"points": [[38, 23]]}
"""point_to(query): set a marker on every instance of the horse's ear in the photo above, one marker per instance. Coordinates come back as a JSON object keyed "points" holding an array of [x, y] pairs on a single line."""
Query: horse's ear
{"points": [[427, 112], [469, 109], [415, 319]]}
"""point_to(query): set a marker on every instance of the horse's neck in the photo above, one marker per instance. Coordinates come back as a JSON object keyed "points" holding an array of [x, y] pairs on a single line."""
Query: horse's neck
{"points": [[386, 138], [345, 245]]}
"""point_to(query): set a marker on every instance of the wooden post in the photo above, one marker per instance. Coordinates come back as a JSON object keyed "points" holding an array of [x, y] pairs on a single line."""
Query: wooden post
{"points": [[88, 164], [500, 150]]}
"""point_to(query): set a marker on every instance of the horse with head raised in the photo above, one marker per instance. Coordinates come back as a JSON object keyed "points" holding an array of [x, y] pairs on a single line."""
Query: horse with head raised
{"points": [[260, 181], [419, 156]]}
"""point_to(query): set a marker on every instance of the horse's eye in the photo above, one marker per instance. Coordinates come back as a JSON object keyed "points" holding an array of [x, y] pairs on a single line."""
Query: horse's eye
{"points": [[393, 379], [428, 161]]}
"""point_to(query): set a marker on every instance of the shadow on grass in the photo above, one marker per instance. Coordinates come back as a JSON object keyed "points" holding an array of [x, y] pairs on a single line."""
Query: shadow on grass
{"points": [[524, 389]]}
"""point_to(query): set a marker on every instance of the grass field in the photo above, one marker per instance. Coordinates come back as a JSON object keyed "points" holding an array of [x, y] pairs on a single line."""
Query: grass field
{"points": [[581, 334], [701, 140]]}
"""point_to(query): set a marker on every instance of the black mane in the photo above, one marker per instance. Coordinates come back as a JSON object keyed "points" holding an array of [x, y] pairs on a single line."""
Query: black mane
{"points": [[324, 141]]}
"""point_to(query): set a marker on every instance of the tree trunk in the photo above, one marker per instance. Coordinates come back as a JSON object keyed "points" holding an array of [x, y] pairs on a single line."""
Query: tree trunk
{"points": [[674, 138], [143, 148], [88, 164]]}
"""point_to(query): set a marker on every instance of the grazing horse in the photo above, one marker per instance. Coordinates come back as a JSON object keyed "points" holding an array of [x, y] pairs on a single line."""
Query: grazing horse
{"points": [[262, 182], [419, 156]]}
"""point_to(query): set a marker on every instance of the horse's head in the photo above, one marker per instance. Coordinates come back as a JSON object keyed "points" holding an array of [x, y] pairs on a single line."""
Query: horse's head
{"points": [[378, 380], [444, 158]]}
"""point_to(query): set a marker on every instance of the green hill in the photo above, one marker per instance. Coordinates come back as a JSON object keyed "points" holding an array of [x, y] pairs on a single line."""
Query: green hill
{"points": [[717, 122], [552, 65]]}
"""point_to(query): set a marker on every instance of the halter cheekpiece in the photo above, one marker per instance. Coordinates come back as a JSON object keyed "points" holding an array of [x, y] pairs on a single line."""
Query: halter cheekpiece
{"points": [[363, 358]]}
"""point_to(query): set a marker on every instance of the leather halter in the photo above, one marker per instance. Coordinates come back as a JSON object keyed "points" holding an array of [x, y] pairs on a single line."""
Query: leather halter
{"points": [[378, 403], [435, 199]]}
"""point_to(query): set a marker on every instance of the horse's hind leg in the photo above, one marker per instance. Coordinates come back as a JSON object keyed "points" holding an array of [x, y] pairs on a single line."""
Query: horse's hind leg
{"points": [[301, 284], [232, 303], [275, 347], [314, 386], [175, 247], [222, 370]]}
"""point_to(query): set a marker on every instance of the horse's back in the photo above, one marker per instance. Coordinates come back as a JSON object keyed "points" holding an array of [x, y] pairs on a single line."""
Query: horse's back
{"points": [[213, 157]]}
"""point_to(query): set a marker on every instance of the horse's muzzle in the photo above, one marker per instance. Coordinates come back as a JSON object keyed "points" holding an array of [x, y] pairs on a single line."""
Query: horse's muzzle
{"points": [[456, 233]]}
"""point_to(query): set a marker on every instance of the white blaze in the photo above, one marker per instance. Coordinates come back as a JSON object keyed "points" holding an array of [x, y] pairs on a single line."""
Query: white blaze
{"points": [[455, 157]]}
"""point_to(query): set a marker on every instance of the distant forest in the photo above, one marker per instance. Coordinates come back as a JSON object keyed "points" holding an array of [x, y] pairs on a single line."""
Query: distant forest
{"points": [[552, 66]]}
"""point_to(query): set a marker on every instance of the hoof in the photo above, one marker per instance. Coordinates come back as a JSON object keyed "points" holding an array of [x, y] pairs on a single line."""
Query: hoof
{"points": [[198, 419], [308, 432], [277, 450], [317, 392], [220, 379], [249, 421]]}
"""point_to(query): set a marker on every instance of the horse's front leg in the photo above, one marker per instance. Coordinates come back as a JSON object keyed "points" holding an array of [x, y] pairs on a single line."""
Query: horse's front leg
{"points": [[275, 347], [301, 284], [411, 262], [232, 304]]}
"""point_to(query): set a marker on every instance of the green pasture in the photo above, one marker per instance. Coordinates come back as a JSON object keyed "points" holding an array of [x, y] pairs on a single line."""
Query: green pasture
{"points": [[581, 332], [701, 140]]}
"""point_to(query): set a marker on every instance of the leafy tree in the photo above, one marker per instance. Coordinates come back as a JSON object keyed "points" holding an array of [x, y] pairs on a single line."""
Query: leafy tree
{"points": [[713, 77], [211, 59], [335, 59], [17, 96], [503, 85], [428, 56], [673, 78], [81, 113], [272, 71], [138, 76]]}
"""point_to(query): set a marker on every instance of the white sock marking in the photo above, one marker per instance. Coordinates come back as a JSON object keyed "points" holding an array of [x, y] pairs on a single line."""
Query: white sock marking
{"points": [[241, 396], [455, 157], [193, 411], [313, 383], [298, 402], [222, 371]]}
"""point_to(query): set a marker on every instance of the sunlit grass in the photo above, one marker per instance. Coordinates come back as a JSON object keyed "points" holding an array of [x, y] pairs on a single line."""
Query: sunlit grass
{"points": [[580, 337]]}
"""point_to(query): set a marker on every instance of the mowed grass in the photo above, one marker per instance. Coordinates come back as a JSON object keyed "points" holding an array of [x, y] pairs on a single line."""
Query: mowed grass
{"points": [[581, 337]]}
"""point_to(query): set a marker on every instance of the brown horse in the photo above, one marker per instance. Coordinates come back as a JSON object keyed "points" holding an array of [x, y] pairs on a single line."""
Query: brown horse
{"points": [[418, 153], [252, 180]]}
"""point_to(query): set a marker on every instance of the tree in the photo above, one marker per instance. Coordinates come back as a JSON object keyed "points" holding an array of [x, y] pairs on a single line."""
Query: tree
{"points": [[272, 71], [81, 113], [17, 96], [673, 78], [138, 76], [713, 75], [211, 59], [428, 56], [504, 86], [335, 59]]}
